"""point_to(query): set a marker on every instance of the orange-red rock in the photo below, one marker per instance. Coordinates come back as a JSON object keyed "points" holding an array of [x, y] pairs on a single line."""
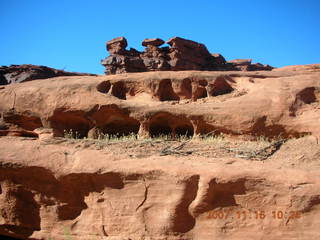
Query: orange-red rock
{"points": [[52, 187]]}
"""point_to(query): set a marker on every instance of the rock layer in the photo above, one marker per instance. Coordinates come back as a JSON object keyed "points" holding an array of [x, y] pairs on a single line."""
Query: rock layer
{"points": [[52, 188], [182, 54], [28, 72], [268, 103]]}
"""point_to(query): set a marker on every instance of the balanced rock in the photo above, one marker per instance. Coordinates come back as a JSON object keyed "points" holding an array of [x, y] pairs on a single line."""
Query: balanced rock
{"points": [[152, 42], [117, 45]]}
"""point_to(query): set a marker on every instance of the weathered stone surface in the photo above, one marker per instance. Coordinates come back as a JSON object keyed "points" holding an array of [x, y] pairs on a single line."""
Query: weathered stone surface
{"points": [[52, 187], [117, 45], [182, 54], [152, 42], [219, 59], [241, 62], [58, 191], [28, 72], [244, 107], [189, 55]]}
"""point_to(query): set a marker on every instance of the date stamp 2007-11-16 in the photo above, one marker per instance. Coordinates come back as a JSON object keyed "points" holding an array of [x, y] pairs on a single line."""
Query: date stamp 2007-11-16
{"points": [[253, 214]]}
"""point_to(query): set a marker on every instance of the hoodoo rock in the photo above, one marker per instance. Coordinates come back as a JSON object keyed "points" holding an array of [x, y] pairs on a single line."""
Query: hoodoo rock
{"points": [[182, 54], [28, 72]]}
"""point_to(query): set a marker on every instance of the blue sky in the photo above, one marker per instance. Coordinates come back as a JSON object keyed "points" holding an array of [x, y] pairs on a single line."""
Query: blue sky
{"points": [[71, 34]]}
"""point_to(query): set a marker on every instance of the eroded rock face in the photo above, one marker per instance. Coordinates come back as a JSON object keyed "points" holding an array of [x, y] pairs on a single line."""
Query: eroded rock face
{"points": [[59, 191], [54, 188], [156, 42], [174, 103], [28, 72], [182, 55]]}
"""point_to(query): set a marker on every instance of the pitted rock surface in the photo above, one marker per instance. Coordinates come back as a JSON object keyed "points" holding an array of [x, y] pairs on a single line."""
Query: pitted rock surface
{"points": [[147, 187]]}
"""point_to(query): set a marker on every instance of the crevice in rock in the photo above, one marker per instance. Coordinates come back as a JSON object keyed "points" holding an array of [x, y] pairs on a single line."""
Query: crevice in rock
{"points": [[121, 127], [111, 120], [305, 96], [18, 133], [261, 128], [199, 89], [69, 122], [183, 221], [160, 125], [77, 185], [119, 90], [165, 91], [67, 193], [214, 195], [22, 213], [160, 128], [104, 87], [186, 88], [169, 125], [15, 232], [224, 193], [26, 121], [201, 128], [146, 189], [104, 231], [313, 200], [220, 86], [199, 92], [9, 238], [184, 130]]}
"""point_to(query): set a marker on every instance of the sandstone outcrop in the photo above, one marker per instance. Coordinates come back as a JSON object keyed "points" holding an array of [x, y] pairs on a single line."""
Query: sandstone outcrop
{"points": [[55, 188], [182, 54], [28, 72], [268, 103], [64, 190]]}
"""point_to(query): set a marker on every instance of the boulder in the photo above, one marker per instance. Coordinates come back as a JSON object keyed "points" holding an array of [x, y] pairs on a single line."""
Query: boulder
{"points": [[241, 62], [218, 58], [117, 45], [189, 55], [152, 42]]}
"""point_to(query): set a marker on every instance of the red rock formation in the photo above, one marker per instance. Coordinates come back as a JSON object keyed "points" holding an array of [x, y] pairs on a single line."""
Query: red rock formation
{"points": [[55, 188], [60, 190], [246, 65], [182, 54], [28, 72], [232, 103]]}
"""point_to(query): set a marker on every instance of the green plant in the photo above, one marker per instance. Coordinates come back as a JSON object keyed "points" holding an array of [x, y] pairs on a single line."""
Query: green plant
{"points": [[71, 134], [218, 139], [116, 137]]}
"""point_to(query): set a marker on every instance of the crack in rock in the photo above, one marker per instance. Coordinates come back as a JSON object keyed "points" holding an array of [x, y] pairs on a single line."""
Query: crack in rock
{"points": [[145, 194]]}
